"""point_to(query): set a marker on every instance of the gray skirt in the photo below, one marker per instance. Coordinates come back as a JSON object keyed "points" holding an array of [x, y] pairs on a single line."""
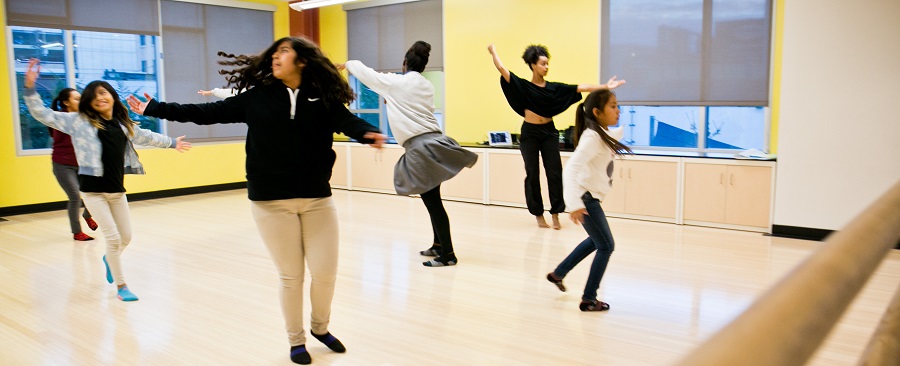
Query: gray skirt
{"points": [[429, 160]]}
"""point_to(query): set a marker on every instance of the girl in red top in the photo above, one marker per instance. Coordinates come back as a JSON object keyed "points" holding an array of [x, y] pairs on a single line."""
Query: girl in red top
{"points": [[65, 166]]}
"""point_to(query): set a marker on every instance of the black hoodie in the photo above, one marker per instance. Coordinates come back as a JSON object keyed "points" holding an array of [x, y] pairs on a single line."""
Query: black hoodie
{"points": [[289, 147]]}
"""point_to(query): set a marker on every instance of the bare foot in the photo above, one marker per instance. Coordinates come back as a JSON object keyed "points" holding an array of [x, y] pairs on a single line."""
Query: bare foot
{"points": [[556, 225], [541, 222]]}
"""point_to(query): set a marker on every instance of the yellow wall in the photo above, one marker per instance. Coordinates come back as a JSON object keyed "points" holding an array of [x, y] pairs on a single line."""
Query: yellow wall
{"points": [[29, 180], [474, 101]]}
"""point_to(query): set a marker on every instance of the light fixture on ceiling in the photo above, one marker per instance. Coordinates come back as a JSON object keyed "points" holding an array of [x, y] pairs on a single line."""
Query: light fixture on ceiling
{"points": [[310, 4]]}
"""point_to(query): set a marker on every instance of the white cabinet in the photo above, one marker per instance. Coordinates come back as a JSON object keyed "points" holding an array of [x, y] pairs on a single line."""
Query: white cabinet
{"points": [[373, 169], [738, 195], [644, 188], [468, 185]]}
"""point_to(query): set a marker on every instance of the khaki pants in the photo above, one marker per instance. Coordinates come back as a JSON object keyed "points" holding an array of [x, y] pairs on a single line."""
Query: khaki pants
{"points": [[110, 210], [295, 230]]}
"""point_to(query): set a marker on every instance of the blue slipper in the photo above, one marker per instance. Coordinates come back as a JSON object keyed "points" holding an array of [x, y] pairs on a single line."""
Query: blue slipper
{"points": [[126, 295], [108, 273]]}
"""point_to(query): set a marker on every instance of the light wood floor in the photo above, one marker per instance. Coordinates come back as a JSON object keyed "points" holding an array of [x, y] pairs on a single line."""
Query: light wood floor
{"points": [[208, 290]]}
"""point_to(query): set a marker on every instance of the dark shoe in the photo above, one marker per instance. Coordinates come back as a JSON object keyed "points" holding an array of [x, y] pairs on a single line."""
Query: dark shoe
{"points": [[556, 281], [593, 306], [441, 261], [329, 340], [91, 223], [300, 355], [434, 251], [82, 237]]}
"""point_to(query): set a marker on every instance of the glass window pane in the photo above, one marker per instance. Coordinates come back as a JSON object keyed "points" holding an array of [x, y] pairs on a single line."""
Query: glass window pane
{"points": [[372, 118], [125, 61], [660, 126], [47, 45], [736, 128]]}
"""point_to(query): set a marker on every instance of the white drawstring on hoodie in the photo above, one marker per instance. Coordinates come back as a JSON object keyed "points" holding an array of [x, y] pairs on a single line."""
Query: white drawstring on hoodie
{"points": [[294, 94]]}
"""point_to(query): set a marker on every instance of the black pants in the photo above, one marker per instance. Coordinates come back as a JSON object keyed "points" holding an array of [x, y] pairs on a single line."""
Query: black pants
{"points": [[544, 140], [440, 222]]}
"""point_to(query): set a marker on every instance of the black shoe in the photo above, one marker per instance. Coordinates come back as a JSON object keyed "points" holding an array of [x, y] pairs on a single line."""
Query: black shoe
{"points": [[442, 261], [593, 306], [329, 340], [556, 281], [300, 355]]}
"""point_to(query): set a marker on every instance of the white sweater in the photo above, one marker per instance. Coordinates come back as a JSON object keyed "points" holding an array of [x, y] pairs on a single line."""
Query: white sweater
{"points": [[589, 169], [410, 99]]}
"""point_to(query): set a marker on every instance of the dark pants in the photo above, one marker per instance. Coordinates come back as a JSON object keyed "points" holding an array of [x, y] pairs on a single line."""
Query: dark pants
{"points": [[440, 222], [67, 176], [599, 239], [544, 140]]}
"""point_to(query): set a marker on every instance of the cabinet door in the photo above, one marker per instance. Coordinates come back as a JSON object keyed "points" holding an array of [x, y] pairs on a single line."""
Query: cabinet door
{"points": [[339, 172], [384, 174], [651, 188], [749, 195], [362, 166], [468, 184], [704, 192], [615, 200], [506, 178]]}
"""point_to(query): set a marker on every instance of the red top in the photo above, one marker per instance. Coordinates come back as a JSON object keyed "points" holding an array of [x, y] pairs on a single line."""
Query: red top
{"points": [[63, 152]]}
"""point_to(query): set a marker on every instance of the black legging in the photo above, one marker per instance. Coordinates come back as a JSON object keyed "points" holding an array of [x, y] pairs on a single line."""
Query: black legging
{"points": [[543, 139], [440, 222]]}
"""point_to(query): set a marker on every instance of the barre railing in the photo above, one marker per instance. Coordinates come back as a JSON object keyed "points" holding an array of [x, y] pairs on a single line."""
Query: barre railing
{"points": [[786, 325]]}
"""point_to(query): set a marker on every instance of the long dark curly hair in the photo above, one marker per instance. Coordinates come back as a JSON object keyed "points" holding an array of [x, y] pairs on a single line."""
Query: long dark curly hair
{"points": [[319, 75]]}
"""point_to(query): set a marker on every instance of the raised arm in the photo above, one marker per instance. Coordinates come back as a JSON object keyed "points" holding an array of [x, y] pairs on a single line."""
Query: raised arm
{"points": [[62, 121], [220, 93], [380, 83], [611, 84], [497, 63]]}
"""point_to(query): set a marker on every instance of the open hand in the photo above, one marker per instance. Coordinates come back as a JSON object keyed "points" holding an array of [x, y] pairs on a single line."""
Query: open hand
{"points": [[31, 75], [181, 145], [340, 67], [136, 105], [613, 83], [204, 93]]}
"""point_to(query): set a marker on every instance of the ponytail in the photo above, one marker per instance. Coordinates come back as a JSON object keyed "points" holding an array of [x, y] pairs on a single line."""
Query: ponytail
{"points": [[584, 119]]}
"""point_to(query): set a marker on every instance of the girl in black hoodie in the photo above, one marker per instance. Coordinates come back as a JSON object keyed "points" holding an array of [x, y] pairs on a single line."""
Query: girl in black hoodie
{"points": [[292, 100]]}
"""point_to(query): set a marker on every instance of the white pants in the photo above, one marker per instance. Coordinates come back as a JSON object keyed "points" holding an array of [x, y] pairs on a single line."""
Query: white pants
{"points": [[110, 211], [294, 231]]}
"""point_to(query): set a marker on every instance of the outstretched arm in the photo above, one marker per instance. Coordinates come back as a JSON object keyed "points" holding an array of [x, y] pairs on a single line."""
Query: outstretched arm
{"points": [[611, 84], [65, 122], [497, 63], [224, 111], [379, 82]]}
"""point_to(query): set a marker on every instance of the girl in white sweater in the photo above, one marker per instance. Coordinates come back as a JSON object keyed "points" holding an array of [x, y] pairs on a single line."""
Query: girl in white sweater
{"points": [[587, 178], [431, 157]]}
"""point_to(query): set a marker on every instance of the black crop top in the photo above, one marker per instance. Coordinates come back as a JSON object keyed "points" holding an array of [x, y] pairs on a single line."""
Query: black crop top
{"points": [[554, 98]]}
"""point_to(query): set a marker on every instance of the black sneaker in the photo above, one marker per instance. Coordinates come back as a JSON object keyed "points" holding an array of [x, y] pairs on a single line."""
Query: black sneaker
{"points": [[556, 281]]}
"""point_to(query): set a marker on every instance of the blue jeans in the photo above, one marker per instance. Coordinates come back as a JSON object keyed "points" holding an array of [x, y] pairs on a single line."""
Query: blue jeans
{"points": [[599, 239]]}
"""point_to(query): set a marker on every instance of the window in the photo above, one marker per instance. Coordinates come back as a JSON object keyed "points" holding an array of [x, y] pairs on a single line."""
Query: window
{"points": [[703, 67], [379, 35], [677, 127], [72, 59], [193, 34], [371, 106]]}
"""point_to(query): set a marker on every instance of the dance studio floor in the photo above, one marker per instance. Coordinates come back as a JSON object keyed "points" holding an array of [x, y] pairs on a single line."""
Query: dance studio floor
{"points": [[209, 291]]}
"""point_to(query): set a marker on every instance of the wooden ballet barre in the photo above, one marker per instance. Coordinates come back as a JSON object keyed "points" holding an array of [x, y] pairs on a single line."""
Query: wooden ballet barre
{"points": [[787, 323], [884, 346]]}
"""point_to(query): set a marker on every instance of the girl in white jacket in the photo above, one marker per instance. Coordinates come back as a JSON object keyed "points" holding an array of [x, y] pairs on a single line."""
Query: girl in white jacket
{"points": [[431, 157], [587, 178]]}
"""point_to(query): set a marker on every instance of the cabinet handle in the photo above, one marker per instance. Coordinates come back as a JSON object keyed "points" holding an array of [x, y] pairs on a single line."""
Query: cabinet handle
{"points": [[377, 155], [731, 179], [629, 173], [722, 178]]}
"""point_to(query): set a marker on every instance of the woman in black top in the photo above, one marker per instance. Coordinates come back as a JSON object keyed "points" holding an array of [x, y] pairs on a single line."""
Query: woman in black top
{"points": [[537, 102], [292, 99]]}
